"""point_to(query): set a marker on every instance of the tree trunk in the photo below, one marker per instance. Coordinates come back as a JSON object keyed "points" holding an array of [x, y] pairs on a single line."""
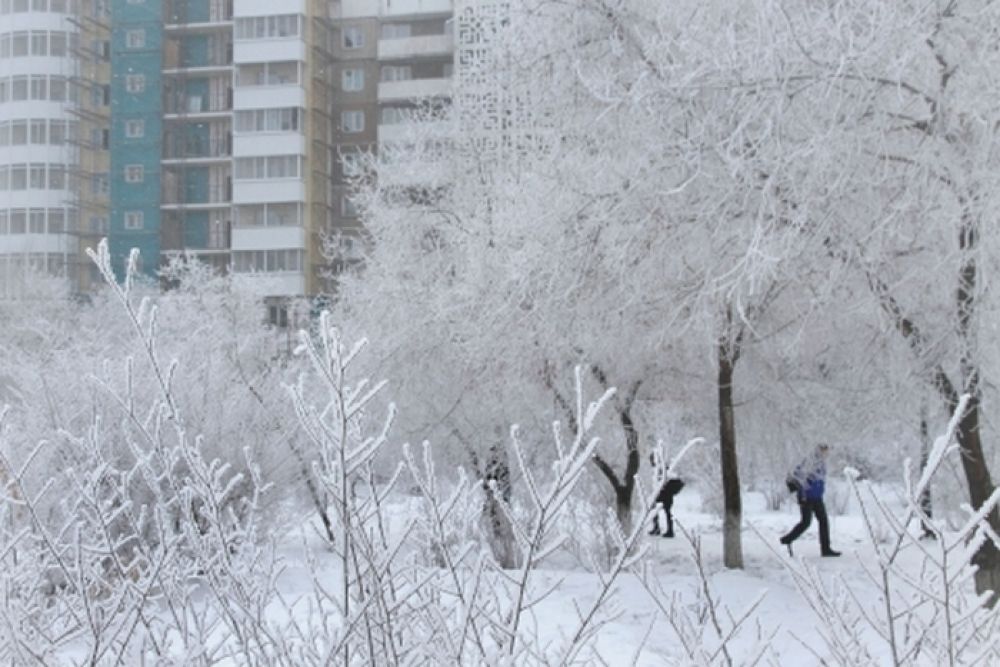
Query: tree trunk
{"points": [[623, 508], [497, 491], [732, 542], [625, 487], [977, 472], [925, 451], [987, 558]]}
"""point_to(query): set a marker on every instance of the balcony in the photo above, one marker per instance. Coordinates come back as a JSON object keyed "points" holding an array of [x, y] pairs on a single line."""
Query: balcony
{"points": [[194, 150], [215, 197], [216, 59], [177, 239], [425, 46], [345, 9], [198, 106], [413, 89]]}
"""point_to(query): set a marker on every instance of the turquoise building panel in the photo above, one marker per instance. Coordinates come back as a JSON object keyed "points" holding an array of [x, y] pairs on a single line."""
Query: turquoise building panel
{"points": [[136, 148]]}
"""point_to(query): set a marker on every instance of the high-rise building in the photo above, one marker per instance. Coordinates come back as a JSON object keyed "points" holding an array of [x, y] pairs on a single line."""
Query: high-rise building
{"points": [[391, 58], [50, 81]]}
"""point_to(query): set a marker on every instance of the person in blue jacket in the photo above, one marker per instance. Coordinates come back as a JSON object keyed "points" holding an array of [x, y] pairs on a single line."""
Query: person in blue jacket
{"points": [[808, 481]]}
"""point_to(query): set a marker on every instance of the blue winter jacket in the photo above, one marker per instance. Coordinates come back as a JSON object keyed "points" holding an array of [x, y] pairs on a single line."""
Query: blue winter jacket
{"points": [[811, 475]]}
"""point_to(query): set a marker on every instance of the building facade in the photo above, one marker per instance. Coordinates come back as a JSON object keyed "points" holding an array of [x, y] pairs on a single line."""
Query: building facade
{"points": [[43, 45], [229, 130]]}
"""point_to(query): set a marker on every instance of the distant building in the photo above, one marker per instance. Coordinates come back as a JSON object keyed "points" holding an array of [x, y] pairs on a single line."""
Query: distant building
{"points": [[52, 131], [226, 129]]}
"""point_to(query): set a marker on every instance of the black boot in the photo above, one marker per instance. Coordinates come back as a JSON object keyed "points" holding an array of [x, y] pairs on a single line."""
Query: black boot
{"points": [[788, 545], [830, 553]]}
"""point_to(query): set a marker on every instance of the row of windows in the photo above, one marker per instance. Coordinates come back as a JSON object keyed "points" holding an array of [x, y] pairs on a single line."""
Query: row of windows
{"points": [[37, 131], [58, 6], [353, 79], [267, 74], [42, 262], [394, 115], [268, 120], [36, 87], [268, 27], [56, 43], [268, 215], [34, 176], [37, 220], [269, 261], [274, 166]]}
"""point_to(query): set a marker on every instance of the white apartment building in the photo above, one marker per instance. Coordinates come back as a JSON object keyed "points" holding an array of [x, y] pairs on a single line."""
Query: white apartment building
{"points": [[38, 141]]}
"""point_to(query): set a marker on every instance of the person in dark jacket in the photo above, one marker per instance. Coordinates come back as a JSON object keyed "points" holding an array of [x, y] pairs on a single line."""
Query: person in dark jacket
{"points": [[665, 499], [808, 481], [669, 487]]}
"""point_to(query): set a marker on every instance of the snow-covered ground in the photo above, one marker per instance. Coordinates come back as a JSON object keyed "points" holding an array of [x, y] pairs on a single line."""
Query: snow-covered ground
{"points": [[638, 633]]}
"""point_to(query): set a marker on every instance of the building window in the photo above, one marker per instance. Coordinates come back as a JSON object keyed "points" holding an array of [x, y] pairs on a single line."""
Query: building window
{"points": [[133, 220], [99, 184], [133, 173], [98, 224], [277, 315], [352, 122], [57, 177], [270, 261], [267, 27], [270, 215], [353, 37], [36, 176], [275, 166], [39, 87], [353, 80], [348, 208], [135, 39], [135, 83], [57, 44], [396, 30], [39, 43], [58, 92], [38, 131], [20, 44], [351, 164], [396, 73], [135, 128], [267, 120], [394, 115], [267, 74]]}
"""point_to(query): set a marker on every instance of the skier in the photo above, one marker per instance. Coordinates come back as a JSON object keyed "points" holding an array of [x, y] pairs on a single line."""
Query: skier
{"points": [[669, 488], [808, 481]]}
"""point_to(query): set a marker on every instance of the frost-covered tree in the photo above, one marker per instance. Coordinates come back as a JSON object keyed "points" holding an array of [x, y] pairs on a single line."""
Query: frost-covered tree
{"points": [[623, 185], [915, 219]]}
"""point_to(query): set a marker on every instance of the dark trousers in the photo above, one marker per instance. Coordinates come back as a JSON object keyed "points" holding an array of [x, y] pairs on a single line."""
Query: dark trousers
{"points": [[667, 504], [808, 509]]}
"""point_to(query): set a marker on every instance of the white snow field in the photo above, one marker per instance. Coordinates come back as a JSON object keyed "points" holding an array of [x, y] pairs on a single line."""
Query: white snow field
{"points": [[783, 629]]}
